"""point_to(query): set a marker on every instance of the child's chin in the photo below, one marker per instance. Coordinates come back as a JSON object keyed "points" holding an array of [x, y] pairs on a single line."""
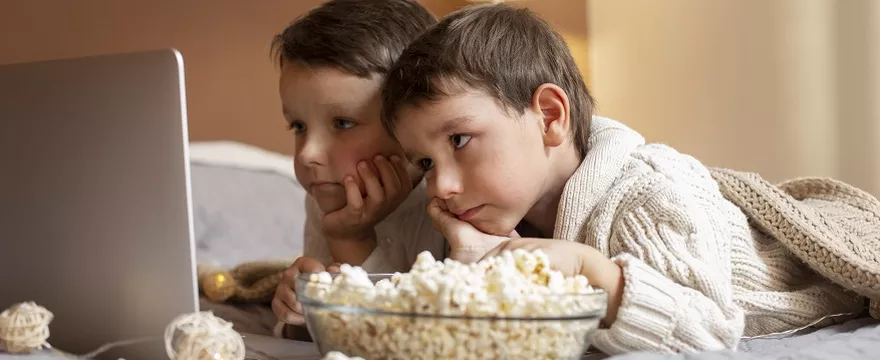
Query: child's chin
{"points": [[491, 228], [329, 204]]}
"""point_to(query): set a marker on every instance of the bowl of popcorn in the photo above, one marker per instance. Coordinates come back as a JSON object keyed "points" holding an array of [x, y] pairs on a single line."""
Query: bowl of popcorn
{"points": [[513, 306]]}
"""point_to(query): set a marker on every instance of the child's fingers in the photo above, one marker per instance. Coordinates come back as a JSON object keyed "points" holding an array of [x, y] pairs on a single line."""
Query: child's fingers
{"points": [[279, 308], [493, 253], [284, 306], [298, 309], [442, 205], [507, 245], [436, 210], [306, 265], [389, 179], [353, 196], [440, 214], [401, 172], [443, 221], [295, 319], [288, 297], [375, 194]]}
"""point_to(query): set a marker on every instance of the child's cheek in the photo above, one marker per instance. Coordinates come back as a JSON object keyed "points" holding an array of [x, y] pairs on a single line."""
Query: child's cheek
{"points": [[353, 153]]}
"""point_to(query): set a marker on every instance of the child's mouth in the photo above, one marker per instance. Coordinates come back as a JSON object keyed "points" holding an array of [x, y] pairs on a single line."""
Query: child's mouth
{"points": [[323, 184], [469, 214]]}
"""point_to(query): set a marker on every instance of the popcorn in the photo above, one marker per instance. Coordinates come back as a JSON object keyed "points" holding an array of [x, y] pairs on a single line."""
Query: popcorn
{"points": [[513, 306], [335, 355]]}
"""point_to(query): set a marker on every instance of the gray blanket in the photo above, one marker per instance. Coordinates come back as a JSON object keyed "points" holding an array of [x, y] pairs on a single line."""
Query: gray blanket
{"points": [[853, 340]]}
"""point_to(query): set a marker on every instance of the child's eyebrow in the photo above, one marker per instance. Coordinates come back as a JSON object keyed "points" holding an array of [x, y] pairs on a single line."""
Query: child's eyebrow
{"points": [[452, 125], [341, 109]]}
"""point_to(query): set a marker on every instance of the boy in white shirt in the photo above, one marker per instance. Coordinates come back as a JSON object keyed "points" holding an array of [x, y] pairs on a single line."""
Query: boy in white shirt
{"points": [[366, 205]]}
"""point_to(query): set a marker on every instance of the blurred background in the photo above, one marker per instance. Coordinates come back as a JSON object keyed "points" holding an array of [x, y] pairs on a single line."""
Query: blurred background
{"points": [[786, 88]]}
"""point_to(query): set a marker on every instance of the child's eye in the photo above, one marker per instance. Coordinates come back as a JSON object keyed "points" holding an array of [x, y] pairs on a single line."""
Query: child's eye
{"points": [[459, 141], [342, 124], [425, 164], [296, 127]]}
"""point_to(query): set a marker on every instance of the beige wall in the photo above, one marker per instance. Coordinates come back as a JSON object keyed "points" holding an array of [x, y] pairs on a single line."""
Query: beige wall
{"points": [[569, 18], [777, 87], [231, 82]]}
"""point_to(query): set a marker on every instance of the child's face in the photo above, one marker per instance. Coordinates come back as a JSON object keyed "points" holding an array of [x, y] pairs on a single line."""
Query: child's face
{"points": [[489, 166], [334, 117]]}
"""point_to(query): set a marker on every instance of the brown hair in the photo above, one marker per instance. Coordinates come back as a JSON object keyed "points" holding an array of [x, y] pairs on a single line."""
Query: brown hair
{"points": [[504, 51], [361, 37]]}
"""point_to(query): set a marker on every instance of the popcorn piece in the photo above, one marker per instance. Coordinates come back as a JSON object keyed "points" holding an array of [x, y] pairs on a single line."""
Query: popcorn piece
{"points": [[516, 298], [335, 355]]}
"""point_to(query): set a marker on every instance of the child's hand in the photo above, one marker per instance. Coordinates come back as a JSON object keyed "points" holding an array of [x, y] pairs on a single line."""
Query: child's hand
{"points": [[569, 257], [284, 304], [467, 244], [573, 258], [384, 193], [334, 268]]}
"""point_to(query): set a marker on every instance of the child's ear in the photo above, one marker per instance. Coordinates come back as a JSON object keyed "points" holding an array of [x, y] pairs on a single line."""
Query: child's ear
{"points": [[551, 102]]}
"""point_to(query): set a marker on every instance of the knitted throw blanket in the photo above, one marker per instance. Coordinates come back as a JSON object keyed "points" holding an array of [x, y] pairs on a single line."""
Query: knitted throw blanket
{"points": [[831, 226], [250, 282]]}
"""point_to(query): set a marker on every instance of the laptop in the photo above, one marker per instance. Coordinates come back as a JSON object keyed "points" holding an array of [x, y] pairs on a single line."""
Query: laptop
{"points": [[95, 203], [95, 212]]}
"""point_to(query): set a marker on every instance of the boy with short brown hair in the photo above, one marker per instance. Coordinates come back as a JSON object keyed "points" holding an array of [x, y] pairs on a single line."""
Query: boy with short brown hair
{"points": [[365, 204], [489, 103]]}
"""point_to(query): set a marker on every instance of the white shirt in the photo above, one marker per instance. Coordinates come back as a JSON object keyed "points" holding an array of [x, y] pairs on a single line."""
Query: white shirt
{"points": [[400, 237]]}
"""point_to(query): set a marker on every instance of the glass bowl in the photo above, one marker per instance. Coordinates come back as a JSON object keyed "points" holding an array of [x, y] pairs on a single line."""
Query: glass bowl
{"points": [[378, 334]]}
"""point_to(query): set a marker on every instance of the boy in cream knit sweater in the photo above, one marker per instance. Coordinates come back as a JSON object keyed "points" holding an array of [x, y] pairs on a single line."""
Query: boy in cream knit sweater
{"points": [[489, 103]]}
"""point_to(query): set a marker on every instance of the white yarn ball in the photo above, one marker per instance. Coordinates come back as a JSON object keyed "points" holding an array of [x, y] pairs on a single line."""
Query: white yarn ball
{"points": [[24, 327], [203, 336]]}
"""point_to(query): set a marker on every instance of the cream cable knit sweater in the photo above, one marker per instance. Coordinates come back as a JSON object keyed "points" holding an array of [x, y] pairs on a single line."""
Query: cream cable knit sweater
{"points": [[697, 276]]}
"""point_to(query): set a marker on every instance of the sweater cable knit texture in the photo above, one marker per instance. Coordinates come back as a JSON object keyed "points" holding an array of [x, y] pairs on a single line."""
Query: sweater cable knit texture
{"points": [[832, 226], [697, 275]]}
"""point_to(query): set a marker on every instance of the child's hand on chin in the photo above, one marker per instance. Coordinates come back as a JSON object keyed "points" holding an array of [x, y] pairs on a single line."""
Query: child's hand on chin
{"points": [[386, 188], [467, 243], [350, 231]]}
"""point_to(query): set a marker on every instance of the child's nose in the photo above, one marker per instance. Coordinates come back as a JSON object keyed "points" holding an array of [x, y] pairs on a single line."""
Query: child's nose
{"points": [[312, 153], [445, 185]]}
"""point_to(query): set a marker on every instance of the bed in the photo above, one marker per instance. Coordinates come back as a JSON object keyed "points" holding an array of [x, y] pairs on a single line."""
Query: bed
{"points": [[855, 339], [247, 206]]}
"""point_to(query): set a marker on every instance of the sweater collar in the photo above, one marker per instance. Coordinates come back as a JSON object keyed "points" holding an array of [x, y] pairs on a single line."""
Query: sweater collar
{"points": [[609, 147]]}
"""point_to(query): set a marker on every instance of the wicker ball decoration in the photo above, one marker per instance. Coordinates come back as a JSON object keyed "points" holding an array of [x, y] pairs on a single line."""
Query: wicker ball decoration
{"points": [[24, 327], [203, 336], [218, 286]]}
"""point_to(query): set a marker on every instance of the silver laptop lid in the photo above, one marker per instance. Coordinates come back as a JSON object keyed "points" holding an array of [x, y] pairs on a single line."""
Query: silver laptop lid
{"points": [[95, 209]]}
